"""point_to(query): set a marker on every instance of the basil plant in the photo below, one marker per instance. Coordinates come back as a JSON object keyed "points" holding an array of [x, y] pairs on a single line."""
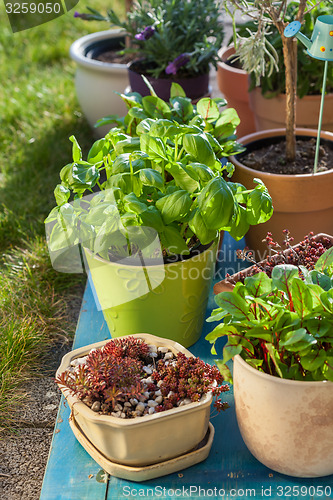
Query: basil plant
{"points": [[161, 170], [281, 325]]}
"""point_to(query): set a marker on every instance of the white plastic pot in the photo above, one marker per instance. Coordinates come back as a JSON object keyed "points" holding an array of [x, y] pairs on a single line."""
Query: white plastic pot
{"points": [[143, 440], [96, 81], [286, 424]]}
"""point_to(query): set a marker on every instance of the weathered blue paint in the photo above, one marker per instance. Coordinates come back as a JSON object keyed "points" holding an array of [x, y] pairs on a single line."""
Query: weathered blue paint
{"points": [[230, 467]]}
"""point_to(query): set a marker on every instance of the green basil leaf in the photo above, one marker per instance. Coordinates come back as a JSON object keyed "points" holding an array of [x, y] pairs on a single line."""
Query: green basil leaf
{"points": [[145, 126], [133, 204], [199, 228], [216, 204], [259, 207], [61, 194], [76, 150], [200, 172], [66, 174], [127, 145], [164, 128], [84, 175], [126, 182], [150, 177], [173, 241], [239, 226], [153, 146], [175, 206], [182, 178], [110, 234], [198, 146], [152, 218], [98, 151]]}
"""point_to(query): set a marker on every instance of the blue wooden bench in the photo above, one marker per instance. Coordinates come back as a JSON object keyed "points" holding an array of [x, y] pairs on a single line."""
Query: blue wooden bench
{"points": [[229, 471]]}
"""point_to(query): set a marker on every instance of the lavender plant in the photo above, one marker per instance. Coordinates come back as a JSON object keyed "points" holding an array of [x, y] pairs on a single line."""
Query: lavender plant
{"points": [[172, 36], [259, 56]]}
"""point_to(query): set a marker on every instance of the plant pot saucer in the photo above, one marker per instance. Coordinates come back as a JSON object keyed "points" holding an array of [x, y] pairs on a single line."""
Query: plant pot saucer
{"points": [[138, 474]]}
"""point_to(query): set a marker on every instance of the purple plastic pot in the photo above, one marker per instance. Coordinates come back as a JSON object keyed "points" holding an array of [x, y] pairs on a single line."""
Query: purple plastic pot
{"points": [[194, 87]]}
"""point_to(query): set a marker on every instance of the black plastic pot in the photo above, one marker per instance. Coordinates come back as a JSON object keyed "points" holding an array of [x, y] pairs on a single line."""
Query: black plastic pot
{"points": [[195, 87]]}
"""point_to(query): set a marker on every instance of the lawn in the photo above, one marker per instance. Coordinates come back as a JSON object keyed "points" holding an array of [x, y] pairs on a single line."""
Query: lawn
{"points": [[38, 113]]}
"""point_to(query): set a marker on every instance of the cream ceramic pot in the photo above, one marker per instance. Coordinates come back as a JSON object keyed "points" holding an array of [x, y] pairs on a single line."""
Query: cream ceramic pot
{"points": [[143, 440], [96, 82], [286, 424]]}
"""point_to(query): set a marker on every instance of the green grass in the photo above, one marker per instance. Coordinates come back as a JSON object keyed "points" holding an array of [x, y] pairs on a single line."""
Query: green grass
{"points": [[38, 113]]}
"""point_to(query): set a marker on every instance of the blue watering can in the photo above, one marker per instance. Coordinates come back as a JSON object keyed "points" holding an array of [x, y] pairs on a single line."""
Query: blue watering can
{"points": [[319, 47], [321, 44]]}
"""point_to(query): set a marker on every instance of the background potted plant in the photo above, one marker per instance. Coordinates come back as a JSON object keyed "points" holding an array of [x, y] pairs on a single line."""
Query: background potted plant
{"points": [[268, 100], [257, 93], [131, 391], [279, 332], [233, 82], [300, 198], [174, 41], [100, 72], [151, 228]]}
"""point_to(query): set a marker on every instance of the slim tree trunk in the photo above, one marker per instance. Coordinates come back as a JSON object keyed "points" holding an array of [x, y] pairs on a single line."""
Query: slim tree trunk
{"points": [[290, 61]]}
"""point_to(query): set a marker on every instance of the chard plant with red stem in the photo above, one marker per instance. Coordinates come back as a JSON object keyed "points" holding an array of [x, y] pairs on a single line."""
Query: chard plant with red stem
{"points": [[282, 325]]}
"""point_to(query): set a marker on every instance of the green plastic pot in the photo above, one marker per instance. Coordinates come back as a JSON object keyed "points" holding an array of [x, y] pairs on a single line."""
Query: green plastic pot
{"points": [[165, 300]]}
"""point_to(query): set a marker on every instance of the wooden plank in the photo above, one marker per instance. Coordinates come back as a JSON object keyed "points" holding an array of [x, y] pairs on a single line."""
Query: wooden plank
{"points": [[230, 468], [71, 473]]}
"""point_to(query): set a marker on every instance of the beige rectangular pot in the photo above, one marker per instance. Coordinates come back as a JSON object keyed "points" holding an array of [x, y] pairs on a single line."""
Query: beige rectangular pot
{"points": [[143, 440]]}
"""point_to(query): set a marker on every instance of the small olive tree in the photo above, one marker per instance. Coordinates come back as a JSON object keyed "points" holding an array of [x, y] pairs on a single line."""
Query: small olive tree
{"points": [[258, 56]]}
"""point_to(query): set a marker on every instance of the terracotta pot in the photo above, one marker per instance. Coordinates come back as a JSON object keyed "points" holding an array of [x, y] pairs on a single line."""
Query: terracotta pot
{"points": [[96, 82], [228, 284], [233, 83], [302, 203], [144, 440], [286, 424], [195, 87], [270, 113]]}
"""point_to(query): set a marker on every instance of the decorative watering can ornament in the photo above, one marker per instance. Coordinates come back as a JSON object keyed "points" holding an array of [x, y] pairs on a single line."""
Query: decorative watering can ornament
{"points": [[319, 47]]}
